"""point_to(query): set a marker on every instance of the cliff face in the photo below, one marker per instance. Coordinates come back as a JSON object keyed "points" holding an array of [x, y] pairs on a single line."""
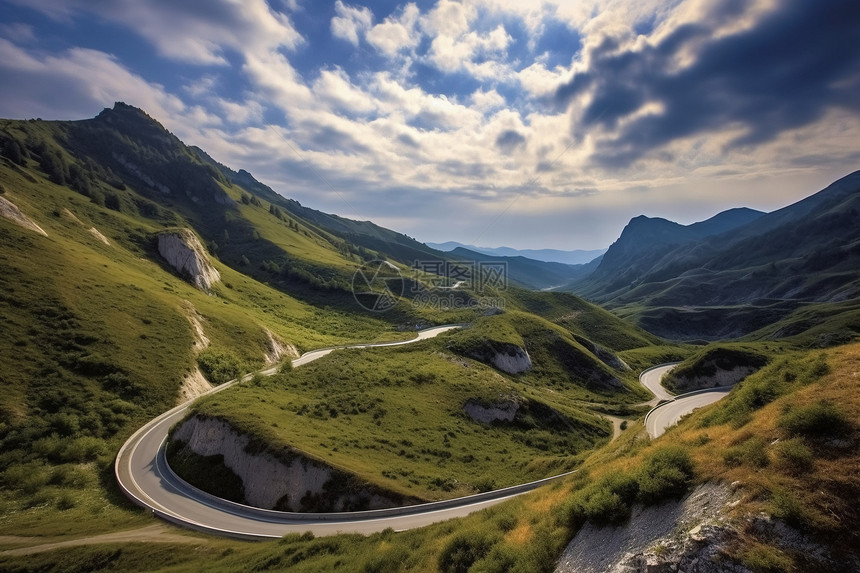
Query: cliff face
{"points": [[270, 483], [512, 360], [183, 250]]}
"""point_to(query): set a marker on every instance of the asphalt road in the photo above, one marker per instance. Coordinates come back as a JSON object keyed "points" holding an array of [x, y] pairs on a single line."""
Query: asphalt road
{"points": [[676, 407], [142, 472], [670, 413], [651, 378]]}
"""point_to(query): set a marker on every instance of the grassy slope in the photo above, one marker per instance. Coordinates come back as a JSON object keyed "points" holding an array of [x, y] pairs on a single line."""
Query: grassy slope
{"points": [[788, 466], [96, 340], [348, 409], [394, 417]]}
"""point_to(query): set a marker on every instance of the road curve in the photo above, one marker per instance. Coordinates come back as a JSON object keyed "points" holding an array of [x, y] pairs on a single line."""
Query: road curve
{"points": [[652, 377], [668, 414], [669, 409], [144, 476]]}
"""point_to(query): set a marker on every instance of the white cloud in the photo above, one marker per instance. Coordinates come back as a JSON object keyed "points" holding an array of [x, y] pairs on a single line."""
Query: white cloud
{"points": [[449, 19], [335, 88], [241, 113], [396, 34], [280, 84], [185, 32], [350, 22], [79, 83], [486, 101], [538, 81]]}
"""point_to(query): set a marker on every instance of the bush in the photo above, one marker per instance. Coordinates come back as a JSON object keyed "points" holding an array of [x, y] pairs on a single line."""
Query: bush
{"points": [[793, 456], [666, 473], [786, 507], [752, 452], [463, 551], [605, 507], [819, 419], [219, 366], [608, 501]]}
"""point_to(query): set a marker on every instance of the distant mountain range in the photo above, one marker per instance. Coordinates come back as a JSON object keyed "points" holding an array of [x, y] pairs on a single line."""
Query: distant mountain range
{"points": [[577, 257], [530, 273], [735, 272]]}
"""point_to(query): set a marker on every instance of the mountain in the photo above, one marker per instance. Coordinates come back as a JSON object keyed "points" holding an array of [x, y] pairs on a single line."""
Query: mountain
{"points": [[724, 277], [362, 233], [529, 273], [137, 272], [645, 241], [577, 257]]}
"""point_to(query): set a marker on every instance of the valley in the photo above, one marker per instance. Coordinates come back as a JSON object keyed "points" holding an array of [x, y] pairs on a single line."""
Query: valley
{"points": [[149, 292]]}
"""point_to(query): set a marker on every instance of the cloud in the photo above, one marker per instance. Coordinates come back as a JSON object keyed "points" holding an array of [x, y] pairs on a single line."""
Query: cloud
{"points": [[350, 22], [17, 32], [241, 113], [188, 30], [780, 72], [335, 87], [79, 83], [396, 34], [487, 101]]}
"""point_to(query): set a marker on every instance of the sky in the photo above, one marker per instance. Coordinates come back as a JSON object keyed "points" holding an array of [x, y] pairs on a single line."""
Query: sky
{"points": [[489, 122]]}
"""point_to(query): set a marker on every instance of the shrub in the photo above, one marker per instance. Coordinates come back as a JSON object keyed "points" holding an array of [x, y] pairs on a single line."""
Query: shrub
{"points": [[819, 419], [786, 507], [66, 501], [605, 507], [666, 473], [463, 551], [766, 559], [752, 452], [793, 456], [219, 366], [607, 501]]}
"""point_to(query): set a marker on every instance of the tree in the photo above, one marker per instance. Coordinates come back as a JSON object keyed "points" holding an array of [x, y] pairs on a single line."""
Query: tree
{"points": [[54, 166], [13, 151]]}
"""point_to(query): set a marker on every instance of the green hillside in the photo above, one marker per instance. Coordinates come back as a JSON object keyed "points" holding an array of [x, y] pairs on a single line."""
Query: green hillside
{"points": [[101, 334], [684, 286]]}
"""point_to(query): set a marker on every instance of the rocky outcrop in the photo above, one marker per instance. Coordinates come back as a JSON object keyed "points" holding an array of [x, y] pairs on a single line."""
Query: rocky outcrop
{"points": [[270, 482], [183, 250], [193, 386], [502, 411], [511, 359], [10, 211], [688, 535], [719, 378], [98, 235], [277, 349]]}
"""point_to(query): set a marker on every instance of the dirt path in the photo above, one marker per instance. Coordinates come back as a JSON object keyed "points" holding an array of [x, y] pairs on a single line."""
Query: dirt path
{"points": [[616, 424], [158, 533]]}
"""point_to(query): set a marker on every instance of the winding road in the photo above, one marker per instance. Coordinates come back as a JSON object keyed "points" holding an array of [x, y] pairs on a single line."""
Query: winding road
{"points": [[145, 477], [143, 474], [668, 409]]}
